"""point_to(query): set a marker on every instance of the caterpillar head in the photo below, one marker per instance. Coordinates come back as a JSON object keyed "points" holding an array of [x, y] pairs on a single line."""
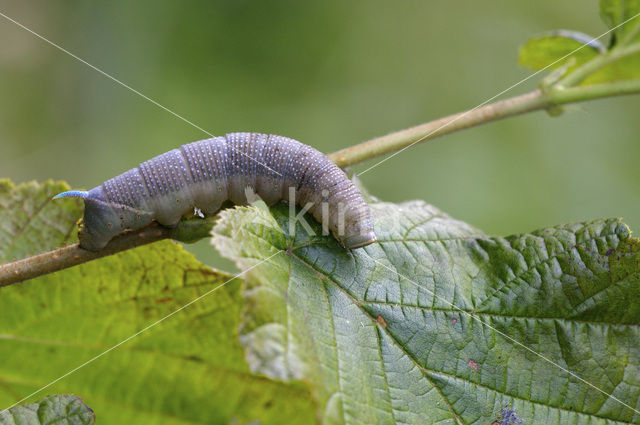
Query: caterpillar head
{"points": [[358, 230]]}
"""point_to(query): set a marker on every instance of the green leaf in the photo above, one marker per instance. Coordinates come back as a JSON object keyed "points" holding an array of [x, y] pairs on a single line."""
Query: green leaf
{"points": [[555, 51], [31, 223], [616, 12], [53, 409], [187, 369], [420, 328], [540, 52]]}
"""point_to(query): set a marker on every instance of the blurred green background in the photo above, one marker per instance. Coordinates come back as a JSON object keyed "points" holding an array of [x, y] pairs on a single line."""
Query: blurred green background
{"points": [[330, 74]]}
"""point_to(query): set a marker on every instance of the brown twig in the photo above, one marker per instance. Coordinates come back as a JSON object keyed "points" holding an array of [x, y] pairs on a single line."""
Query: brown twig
{"points": [[403, 139], [72, 255]]}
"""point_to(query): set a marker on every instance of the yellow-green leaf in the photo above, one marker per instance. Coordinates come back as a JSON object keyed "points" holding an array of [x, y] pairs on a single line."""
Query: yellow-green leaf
{"points": [[187, 369], [31, 222], [555, 51]]}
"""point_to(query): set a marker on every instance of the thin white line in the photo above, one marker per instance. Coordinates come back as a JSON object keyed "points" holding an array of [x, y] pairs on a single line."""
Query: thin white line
{"points": [[139, 332], [505, 335], [128, 87], [497, 95]]}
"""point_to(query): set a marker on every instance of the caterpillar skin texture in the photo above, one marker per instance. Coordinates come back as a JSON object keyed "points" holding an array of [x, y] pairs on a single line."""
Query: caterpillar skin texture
{"points": [[208, 173]]}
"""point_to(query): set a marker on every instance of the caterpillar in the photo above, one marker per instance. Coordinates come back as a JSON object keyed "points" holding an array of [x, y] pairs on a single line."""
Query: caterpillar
{"points": [[209, 173]]}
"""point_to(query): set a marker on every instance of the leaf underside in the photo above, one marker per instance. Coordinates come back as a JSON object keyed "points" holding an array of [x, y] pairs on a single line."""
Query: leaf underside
{"points": [[54, 409], [425, 327]]}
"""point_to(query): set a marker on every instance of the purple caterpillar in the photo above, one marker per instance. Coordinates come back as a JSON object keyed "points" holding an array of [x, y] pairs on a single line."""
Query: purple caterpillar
{"points": [[208, 173]]}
